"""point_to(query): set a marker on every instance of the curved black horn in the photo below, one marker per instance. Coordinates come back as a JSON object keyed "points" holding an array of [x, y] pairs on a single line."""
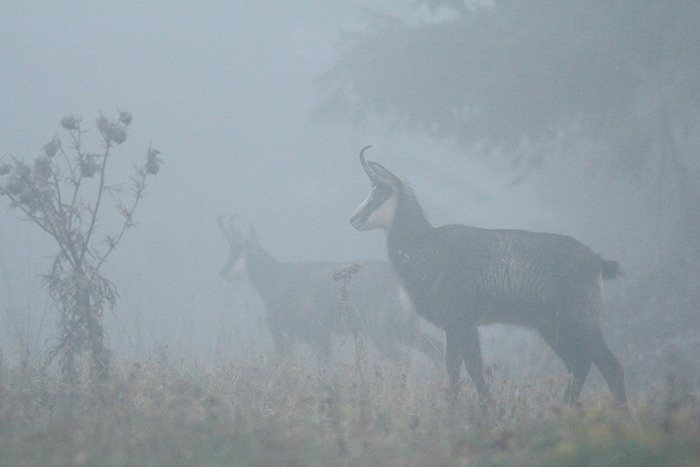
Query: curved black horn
{"points": [[370, 173]]}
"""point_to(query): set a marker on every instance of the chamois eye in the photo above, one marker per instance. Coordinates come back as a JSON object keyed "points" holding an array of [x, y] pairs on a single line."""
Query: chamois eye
{"points": [[380, 193], [383, 191]]}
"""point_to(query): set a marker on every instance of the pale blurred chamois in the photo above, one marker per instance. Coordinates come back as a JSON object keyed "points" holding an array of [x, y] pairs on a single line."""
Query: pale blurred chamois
{"points": [[303, 301], [460, 277]]}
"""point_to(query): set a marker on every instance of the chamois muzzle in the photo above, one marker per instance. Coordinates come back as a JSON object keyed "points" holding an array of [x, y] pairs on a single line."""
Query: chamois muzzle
{"points": [[357, 221]]}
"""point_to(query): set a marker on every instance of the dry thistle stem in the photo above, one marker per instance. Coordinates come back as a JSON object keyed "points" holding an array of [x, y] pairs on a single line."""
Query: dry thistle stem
{"points": [[51, 193]]}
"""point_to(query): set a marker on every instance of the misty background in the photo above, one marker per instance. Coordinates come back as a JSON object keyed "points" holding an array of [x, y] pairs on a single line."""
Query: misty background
{"points": [[230, 93]]}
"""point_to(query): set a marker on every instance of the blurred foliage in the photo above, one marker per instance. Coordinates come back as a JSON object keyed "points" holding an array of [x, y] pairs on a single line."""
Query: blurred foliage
{"points": [[523, 73]]}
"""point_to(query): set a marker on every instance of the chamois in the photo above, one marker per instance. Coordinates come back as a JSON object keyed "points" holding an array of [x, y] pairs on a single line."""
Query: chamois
{"points": [[302, 301], [461, 277]]}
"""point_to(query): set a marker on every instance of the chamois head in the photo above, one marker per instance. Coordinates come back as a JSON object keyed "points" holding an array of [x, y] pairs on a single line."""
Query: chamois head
{"points": [[235, 267], [378, 210]]}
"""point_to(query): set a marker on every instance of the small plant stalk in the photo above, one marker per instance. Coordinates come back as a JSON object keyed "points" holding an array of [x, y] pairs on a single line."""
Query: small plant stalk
{"points": [[56, 193]]}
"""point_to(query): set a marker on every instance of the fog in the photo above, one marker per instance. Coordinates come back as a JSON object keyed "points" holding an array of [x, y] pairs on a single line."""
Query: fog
{"points": [[226, 92]]}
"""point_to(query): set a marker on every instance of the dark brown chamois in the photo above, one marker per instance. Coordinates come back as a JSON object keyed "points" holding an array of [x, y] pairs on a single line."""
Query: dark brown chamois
{"points": [[460, 277], [302, 301]]}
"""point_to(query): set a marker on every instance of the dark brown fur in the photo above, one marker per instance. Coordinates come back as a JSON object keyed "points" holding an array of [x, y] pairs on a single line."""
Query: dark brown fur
{"points": [[460, 277]]}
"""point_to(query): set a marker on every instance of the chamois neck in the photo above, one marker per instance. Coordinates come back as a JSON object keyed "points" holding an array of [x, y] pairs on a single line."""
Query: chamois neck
{"points": [[409, 222], [264, 271]]}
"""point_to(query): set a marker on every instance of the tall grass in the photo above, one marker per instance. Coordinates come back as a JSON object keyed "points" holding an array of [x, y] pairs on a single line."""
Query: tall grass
{"points": [[259, 411]]}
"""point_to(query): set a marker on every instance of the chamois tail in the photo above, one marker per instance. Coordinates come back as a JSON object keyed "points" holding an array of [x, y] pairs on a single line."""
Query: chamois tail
{"points": [[611, 269]]}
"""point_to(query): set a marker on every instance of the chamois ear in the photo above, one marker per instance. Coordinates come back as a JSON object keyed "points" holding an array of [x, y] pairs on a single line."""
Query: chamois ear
{"points": [[229, 230], [376, 172], [383, 174]]}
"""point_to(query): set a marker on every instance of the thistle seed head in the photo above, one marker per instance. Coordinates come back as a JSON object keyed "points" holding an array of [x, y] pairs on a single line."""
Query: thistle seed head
{"points": [[111, 130], [27, 197], [88, 166], [102, 124], [69, 122], [125, 117], [153, 166], [118, 134], [23, 170], [14, 186], [42, 167], [51, 148], [152, 154]]}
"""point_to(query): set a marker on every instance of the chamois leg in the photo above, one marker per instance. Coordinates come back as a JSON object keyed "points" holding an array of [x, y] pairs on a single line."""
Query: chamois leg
{"points": [[579, 366], [607, 363], [474, 363], [454, 358], [464, 342], [564, 342]]}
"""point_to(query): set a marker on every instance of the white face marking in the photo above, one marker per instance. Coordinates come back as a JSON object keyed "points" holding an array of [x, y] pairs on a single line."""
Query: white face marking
{"points": [[381, 216], [238, 271]]}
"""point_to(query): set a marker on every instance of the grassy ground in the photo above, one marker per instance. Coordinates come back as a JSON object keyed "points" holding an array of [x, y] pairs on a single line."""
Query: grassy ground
{"points": [[259, 412]]}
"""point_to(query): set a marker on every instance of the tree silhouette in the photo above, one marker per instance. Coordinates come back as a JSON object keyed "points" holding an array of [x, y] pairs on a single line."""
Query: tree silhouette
{"points": [[536, 77]]}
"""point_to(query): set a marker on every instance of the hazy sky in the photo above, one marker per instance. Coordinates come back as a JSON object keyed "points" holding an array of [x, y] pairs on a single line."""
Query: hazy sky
{"points": [[225, 90]]}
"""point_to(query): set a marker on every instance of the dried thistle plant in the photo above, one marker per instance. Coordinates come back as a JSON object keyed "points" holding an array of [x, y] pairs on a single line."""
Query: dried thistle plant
{"points": [[56, 192]]}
